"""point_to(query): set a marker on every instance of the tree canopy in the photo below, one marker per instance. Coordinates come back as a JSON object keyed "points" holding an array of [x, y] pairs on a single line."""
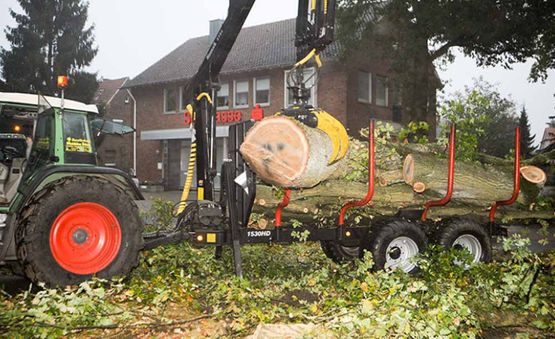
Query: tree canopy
{"points": [[415, 34], [485, 121], [51, 38]]}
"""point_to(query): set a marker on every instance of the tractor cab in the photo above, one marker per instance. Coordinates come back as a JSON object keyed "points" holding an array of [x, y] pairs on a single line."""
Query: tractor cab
{"points": [[38, 131]]}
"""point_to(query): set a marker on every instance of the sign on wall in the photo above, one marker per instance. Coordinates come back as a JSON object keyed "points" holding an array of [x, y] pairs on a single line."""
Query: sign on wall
{"points": [[223, 117]]}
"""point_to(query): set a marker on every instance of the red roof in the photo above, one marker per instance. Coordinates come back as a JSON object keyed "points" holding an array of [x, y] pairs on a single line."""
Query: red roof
{"points": [[107, 89]]}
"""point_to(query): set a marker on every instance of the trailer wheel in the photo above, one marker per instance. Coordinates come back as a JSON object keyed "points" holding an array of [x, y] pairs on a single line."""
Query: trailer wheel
{"points": [[78, 227], [468, 235], [338, 252], [394, 245]]}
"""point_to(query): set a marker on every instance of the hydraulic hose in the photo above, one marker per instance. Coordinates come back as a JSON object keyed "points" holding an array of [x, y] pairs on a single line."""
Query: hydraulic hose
{"points": [[192, 156]]}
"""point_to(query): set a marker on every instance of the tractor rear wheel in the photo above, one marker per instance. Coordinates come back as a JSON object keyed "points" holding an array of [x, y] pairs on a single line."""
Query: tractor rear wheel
{"points": [[78, 227]]}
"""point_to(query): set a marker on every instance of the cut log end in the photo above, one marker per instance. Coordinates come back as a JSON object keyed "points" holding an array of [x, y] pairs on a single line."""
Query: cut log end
{"points": [[419, 187], [277, 150], [533, 174], [287, 153], [408, 169]]}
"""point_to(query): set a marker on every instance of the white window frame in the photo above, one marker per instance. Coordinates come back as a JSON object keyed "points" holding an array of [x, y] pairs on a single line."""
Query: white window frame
{"points": [[181, 103], [370, 96], [313, 90], [235, 93], [228, 98], [386, 91], [164, 103], [254, 100]]}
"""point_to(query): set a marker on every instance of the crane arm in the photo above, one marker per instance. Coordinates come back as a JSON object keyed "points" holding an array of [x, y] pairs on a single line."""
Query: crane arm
{"points": [[314, 31]]}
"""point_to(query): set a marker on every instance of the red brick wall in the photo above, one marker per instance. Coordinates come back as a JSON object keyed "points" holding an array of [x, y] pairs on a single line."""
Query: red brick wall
{"points": [[360, 113], [150, 105]]}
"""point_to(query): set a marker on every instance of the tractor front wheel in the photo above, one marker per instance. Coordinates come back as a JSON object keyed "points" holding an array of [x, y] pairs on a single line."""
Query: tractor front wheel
{"points": [[78, 227]]}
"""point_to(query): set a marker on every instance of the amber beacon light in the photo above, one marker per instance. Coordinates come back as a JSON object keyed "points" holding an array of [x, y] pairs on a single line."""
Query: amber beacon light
{"points": [[63, 81]]}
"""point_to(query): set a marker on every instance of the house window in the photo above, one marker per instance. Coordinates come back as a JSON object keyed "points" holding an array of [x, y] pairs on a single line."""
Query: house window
{"points": [[310, 75], [223, 97], [241, 94], [262, 91], [365, 87], [182, 100], [170, 97], [381, 91]]}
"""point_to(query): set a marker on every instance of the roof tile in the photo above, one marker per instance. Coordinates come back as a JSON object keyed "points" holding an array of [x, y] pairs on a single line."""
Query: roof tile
{"points": [[264, 46]]}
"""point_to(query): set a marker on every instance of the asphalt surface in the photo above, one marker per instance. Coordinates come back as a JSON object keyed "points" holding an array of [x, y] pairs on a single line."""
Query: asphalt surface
{"points": [[13, 284]]}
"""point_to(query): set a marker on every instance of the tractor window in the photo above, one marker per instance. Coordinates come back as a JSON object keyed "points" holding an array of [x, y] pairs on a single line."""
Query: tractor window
{"points": [[78, 146], [43, 143], [76, 133]]}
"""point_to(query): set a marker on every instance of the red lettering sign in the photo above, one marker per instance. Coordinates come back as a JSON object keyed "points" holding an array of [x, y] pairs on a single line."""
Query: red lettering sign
{"points": [[224, 117], [187, 118], [227, 117]]}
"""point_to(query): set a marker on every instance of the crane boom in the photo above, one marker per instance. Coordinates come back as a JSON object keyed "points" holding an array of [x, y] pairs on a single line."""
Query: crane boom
{"points": [[314, 31]]}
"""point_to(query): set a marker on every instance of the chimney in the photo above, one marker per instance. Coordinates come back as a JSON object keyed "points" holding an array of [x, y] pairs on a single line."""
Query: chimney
{"points": [[215, 26]]}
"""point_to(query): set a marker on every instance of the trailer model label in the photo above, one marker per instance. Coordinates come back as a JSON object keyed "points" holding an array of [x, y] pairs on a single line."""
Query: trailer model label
{"points": [[252, 234]]}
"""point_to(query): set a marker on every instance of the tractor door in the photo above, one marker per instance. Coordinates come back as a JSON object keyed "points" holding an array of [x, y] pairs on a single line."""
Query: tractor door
{"points": [[78, 145]]}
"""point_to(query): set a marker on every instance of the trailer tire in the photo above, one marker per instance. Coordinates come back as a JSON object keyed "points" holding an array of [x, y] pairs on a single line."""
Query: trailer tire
{"points": [[394, 245], [339, 253], [463, 233], [76, 228]]}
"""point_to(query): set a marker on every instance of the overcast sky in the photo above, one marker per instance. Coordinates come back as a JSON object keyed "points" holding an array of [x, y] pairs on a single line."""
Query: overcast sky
{"points": [[133, 35]]}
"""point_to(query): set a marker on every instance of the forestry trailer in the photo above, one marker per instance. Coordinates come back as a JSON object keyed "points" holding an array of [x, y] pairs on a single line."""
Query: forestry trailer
{"points": [[64, 219]]}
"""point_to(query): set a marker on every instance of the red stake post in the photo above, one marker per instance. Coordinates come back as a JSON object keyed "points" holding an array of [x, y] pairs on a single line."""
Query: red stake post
{"points": [[281, 206], [450, 178], [516, 180], [370, 193]]}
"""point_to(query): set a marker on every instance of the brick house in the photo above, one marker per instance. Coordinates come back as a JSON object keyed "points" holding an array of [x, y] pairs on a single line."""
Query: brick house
{"points": [[115, 103], [254, 74]]}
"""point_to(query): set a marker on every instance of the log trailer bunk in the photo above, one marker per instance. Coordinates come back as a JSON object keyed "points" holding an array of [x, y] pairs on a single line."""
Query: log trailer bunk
{"points": [[393, 241]]}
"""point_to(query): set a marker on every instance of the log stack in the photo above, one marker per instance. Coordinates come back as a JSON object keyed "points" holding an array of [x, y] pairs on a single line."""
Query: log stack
{"points": [[420, 175]]}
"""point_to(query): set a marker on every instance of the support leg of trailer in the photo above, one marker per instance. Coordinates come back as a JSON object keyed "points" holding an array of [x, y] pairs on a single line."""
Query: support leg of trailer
{"points": [[228, 170], [218, 252], [237, 259]]}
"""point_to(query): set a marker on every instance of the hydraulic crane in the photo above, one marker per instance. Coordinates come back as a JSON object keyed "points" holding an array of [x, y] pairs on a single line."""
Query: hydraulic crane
{"points": [[314, 31], [392, 240]]}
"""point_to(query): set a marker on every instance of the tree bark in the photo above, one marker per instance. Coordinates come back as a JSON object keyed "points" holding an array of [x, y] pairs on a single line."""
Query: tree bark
{"points": [[287, 153]]}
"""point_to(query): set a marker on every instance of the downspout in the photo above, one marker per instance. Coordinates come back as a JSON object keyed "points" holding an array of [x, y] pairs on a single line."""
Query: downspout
{"points": [[134, 129]]}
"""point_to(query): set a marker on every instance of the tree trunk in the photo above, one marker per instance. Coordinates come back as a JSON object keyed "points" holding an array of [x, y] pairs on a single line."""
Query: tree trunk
{"points": [[472, 182], [287, 153]]}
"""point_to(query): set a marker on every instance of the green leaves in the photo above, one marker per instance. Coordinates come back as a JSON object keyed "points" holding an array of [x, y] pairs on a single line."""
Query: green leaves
{"points": [[298, 284], [485, 121]]}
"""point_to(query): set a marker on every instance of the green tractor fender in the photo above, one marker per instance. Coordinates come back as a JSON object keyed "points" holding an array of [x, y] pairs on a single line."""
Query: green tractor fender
{"points": [[50, 174]]}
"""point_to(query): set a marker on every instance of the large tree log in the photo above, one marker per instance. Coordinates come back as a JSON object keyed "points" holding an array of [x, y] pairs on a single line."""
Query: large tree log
{"points": [[287, 153], [473, 182]]}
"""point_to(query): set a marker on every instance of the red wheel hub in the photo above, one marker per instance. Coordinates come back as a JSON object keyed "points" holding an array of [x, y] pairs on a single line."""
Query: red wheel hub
{"points": [[85, 238]]}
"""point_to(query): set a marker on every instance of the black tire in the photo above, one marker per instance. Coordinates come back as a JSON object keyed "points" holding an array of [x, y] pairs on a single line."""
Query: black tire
{"points": [[409, 234], [37, 219], [339, 253], [473, 232]]}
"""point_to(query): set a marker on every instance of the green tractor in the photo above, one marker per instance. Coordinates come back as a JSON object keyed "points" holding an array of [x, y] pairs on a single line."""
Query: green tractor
{"points": [[63, 218]]}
